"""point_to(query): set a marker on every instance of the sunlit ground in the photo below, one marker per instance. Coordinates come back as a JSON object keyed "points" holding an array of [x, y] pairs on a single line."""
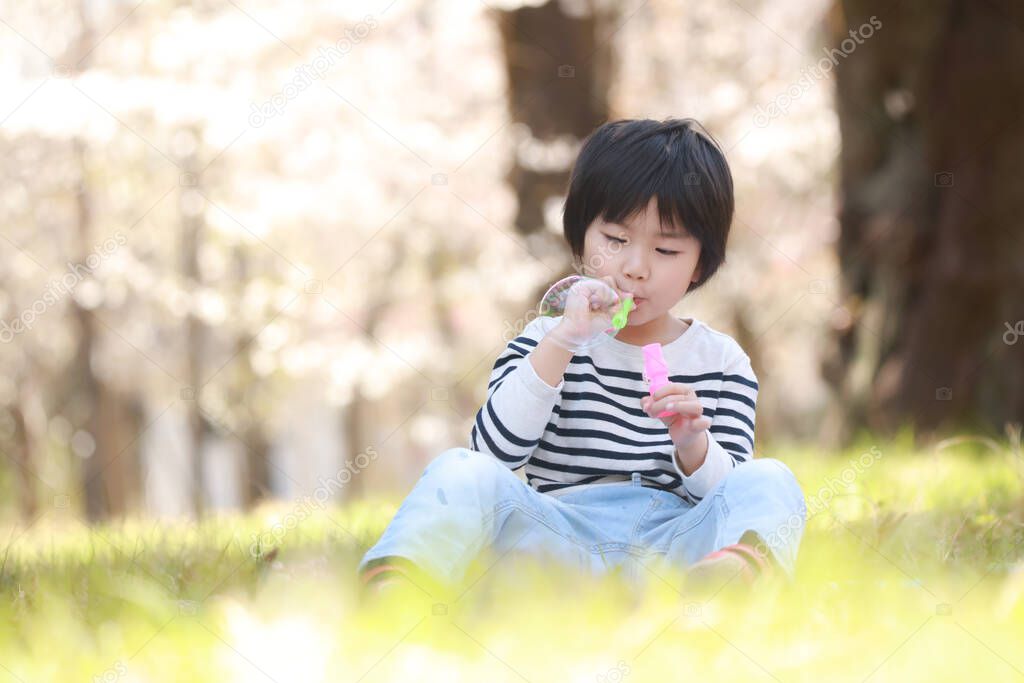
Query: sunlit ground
{"points": [[906, 572]]}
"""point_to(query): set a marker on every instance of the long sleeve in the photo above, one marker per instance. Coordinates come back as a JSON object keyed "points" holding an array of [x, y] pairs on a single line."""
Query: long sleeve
{"points": [[519, 403], [731, 435]]}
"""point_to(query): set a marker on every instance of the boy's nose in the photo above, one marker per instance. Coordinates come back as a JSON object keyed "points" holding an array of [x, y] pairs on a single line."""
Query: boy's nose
{"points": [[635, 268]]}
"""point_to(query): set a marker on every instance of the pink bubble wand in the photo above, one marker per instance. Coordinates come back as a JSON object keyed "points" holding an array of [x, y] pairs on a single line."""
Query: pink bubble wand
{"points": [[656, 371]]}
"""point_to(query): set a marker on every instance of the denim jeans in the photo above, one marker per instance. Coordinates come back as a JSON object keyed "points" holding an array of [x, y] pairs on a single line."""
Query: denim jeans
{"points": [[466, 502]]}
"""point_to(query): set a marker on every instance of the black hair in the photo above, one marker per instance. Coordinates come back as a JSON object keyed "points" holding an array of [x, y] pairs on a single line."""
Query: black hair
{"points": [[623, 164]]}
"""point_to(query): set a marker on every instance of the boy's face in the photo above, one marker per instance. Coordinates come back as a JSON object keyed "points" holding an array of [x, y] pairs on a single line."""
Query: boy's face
{"points": [[657, 270]]}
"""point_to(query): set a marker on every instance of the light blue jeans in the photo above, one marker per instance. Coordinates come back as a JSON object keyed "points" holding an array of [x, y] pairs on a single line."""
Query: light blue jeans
{"points": [[466, 502]]}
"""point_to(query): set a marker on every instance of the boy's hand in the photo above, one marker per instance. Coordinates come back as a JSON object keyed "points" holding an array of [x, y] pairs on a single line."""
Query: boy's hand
{"points": [[686, 427], [588, 313]]}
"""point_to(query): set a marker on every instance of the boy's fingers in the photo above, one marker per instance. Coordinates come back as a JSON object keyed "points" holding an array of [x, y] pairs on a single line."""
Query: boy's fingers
{"points": [[684, 404], [699, 424], [675, 388], [610, 281], [600, 296], [688, 407]]}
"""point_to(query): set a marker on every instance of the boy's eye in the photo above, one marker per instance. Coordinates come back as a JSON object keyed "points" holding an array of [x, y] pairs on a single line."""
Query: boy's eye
{"points": [[666, 252]]}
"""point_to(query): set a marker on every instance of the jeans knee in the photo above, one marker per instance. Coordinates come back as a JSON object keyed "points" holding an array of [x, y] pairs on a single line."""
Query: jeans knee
{"points": [[772, 473], [464, 464], [445, 458]]}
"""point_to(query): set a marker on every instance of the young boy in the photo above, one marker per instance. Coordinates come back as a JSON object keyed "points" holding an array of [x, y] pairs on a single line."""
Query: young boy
{"points": [[610, 484]]}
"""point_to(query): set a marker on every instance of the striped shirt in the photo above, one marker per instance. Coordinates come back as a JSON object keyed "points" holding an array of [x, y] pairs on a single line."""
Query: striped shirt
{"points": [[591, 430]]}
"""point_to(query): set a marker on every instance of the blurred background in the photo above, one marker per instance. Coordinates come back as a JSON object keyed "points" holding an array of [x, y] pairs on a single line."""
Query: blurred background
{"points": [[254, 251]]}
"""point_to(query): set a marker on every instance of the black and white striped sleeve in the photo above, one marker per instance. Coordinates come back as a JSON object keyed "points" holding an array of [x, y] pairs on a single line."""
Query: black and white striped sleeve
{"points": [[511, 421], [731, 435]]}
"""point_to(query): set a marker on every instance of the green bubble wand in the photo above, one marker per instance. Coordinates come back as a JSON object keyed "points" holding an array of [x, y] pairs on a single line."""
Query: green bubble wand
{"points": [[619, 319]]}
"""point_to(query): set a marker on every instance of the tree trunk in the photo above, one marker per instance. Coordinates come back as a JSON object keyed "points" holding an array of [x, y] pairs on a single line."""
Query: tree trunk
{"points": [[24, 458], [195, 329], [930, 246], [559, 68], [244, 382], [110, 473], [355, 420]]}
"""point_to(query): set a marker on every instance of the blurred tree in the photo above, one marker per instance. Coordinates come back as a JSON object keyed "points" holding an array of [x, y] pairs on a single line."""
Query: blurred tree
{"points": [[559, 68], [196, 332], [256, 477], [930, 249], [28, 441], [113, 419], [110, 473], [355, 422]]}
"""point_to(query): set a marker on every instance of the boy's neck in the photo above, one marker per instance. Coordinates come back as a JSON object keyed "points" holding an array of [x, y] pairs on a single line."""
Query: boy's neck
{"points": [[663, 330]]}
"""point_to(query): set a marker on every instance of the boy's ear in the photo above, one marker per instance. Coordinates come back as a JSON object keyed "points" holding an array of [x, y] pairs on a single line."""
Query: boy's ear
{"points": [[696, 274]]}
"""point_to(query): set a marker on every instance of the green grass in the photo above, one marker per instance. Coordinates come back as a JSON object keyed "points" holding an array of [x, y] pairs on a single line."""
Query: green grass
{"points": [[906, 572]]}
